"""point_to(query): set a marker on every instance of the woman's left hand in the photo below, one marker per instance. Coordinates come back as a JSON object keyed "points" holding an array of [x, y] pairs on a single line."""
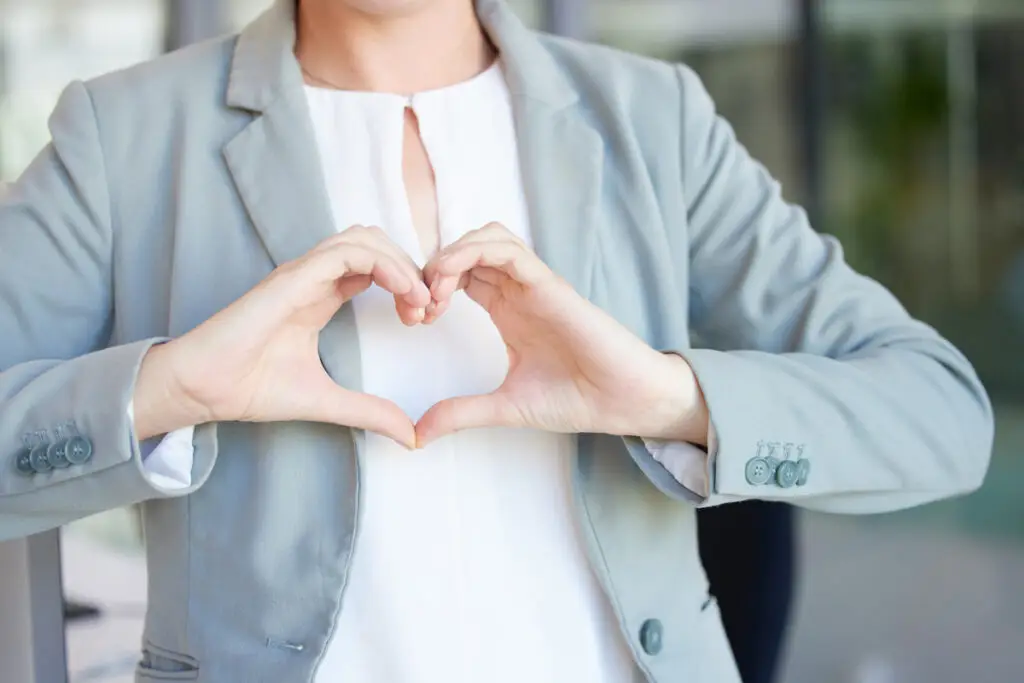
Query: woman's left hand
{"points": [[572, 367]]}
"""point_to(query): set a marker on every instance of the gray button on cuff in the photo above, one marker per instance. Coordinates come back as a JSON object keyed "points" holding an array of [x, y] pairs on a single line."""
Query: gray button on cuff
{"points": [[787, 474], [56, 454], [758, 471], [804, 467], [78, 450], [651, 636], [24, 462], [37, 458], [765, 468]]}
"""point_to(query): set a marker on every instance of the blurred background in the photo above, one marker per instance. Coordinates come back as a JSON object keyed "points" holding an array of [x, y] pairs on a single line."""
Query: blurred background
{"points": [[898, 123]]}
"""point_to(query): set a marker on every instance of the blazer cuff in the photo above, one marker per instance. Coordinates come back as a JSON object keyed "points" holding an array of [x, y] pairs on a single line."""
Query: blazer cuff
{"points": [[689, 464], [167, 460], [82, 407], [680, 470]]}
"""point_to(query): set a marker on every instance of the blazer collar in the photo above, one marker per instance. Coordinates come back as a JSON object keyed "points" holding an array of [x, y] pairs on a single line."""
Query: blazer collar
{"points": [[275, 166], [264, 65]]}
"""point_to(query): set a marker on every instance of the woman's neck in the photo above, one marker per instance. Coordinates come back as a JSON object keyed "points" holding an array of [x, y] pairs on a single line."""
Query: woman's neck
{"points": [[424, 45]]}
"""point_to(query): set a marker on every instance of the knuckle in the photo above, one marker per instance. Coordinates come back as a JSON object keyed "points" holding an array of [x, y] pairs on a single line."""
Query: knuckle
{"points": [[369, 233], [355, 233], [331, 241], [499, 231]]}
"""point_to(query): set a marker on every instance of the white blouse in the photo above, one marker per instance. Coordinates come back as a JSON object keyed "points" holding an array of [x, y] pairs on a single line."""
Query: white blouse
{"points": [[468, 565]]}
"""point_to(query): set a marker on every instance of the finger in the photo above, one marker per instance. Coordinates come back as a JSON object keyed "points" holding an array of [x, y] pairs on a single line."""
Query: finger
{"points": [[335, 239], [464, 412], [372, 413], [349, 287], [375, 237], [512, 259], [435, 310], [489, 275], [410, 315], [492, 232], [480, 289], [484, 293], [445, 285], [346, 259]]}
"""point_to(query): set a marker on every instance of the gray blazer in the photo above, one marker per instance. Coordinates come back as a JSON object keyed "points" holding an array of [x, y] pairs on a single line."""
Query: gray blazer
{"points": [[173, 187]]}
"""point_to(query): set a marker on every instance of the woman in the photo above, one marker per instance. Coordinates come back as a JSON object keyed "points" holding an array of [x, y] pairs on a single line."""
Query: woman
{"points": [[382, 310]]}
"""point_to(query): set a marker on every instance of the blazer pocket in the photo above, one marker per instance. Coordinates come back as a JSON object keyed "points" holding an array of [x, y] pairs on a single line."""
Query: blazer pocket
{"points": [[158, 664]]}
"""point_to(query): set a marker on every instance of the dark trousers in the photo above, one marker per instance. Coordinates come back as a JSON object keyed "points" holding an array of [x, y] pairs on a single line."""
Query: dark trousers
{"points": [[748, 552]]}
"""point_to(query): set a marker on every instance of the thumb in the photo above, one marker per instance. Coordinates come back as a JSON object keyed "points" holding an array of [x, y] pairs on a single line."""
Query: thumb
{"points": [[463, 412], [372, 413]]}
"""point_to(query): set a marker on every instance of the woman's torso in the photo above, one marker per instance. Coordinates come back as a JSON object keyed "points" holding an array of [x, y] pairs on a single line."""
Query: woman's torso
{"points": [[467, 565]]}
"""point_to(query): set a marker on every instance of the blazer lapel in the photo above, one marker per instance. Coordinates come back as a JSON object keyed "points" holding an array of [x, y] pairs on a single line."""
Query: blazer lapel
{"points": [[276, 170], [561, 159], [561, 155], [276, 166], [274, 160]]}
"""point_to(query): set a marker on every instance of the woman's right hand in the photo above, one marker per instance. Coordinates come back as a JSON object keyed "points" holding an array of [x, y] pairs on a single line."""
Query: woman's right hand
{"points": [[258, 360]]}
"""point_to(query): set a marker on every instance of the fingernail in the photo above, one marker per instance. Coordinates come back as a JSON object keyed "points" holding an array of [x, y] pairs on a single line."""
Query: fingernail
{"points": [[420, 313]]}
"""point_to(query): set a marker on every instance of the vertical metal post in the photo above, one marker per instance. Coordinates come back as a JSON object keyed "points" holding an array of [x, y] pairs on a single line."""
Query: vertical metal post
{"points": [[3, 85], [46, 593], [32, 648], [567, 18], [191, 21], [810, 107], [15, 612], [961, 68]]}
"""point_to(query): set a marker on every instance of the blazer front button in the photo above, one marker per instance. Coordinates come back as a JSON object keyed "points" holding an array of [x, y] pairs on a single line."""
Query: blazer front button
{"points": [[650, 636], [758, 471], [787, 474], [78, 450], [40, 463]]}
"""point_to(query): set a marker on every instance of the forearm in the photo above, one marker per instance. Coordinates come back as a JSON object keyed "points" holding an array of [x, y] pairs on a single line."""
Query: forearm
{"points": [[891, 428], [679, 411], [73, 415]]}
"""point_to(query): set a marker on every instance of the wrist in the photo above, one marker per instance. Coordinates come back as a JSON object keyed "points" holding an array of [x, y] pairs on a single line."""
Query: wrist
{"points": [[162, 402], [678, 411]]}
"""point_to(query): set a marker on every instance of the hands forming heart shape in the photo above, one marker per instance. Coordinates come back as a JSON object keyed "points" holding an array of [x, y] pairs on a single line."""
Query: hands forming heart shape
{"points": [[572, 367]]}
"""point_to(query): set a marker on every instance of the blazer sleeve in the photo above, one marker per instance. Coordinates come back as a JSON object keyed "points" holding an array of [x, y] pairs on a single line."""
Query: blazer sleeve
{"points": [[821, 389], [66, 443]]}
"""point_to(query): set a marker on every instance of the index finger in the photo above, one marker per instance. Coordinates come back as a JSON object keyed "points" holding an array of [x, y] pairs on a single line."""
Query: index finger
{"points": [[347, 259], [376, 239]]}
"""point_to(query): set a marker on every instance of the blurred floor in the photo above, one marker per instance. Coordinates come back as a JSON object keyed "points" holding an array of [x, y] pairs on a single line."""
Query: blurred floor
{"points": [[930, 595], [113, 577], [926, 596], [895, 605]]}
